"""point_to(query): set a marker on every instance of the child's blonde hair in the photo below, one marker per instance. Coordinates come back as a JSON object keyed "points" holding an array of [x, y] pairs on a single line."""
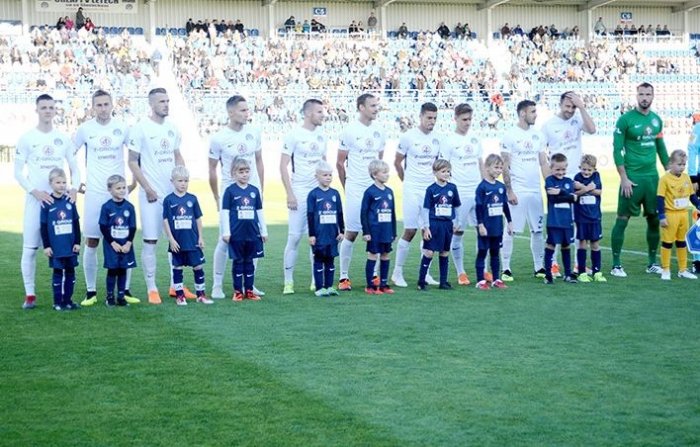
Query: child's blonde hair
{"points": [[179, 172], [677, 155], [558, 158], [115, 180], [57, 173], [441, 164], [239, 163], [590, 160], [376, 166], [323, 167], [492, 159]]}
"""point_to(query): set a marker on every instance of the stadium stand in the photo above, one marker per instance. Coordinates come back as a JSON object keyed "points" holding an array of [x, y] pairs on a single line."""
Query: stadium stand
{"points": [[277, 74]]}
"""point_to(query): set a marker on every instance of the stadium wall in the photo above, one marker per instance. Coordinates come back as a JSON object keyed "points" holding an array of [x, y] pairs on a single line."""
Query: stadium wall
{"points": [[11, 10], [427, 16], [175, 13]]}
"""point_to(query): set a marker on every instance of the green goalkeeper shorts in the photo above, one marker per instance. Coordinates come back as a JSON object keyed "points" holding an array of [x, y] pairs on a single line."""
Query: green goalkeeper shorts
{"points": [[643, 195]]}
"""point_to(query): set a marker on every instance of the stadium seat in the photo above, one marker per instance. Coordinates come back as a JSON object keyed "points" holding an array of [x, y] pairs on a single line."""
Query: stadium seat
{"points": [[182, 32], [139, 31], [130, 30]]}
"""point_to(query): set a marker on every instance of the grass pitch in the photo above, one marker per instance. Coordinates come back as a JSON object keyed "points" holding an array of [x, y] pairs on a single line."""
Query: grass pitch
{"points": [[585, 364]]}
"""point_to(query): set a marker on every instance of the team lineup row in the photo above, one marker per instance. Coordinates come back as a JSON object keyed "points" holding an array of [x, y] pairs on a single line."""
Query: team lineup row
{"points": [[153, 147]]}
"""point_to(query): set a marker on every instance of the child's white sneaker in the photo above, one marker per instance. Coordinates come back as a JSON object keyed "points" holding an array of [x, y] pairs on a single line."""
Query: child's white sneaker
{"points": [[686, 274], [666, 275]]}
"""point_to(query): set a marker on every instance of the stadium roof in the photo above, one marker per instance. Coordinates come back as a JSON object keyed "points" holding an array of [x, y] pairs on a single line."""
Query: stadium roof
{"points": [[584, 5]]}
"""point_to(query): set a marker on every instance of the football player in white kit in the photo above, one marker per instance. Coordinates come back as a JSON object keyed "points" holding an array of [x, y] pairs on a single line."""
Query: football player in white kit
{"points": [[464, 152], [523, 150], [104, 138], [40, 150], [361, 142], [418, 149], [563, 132], [237, 139], [154, 150], [303, 147]]}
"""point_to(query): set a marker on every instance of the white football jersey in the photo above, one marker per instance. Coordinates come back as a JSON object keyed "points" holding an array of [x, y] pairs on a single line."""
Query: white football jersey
{"points": [[104, 151], [421, 151], [524, 147], [228, 144], [156, 144], [464, 153], [363, 144], [41, 152], [564, 137], [306, 148]]}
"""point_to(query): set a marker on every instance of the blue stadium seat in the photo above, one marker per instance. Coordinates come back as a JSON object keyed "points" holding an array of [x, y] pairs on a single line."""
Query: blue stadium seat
{"points": [[130, 30], [393, 34], [254, 32], [139, 31], [173, 31], [182, 31]]}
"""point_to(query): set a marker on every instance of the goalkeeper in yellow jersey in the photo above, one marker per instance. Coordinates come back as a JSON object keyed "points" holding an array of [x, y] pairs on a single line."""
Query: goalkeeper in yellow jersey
{"points": [[674, 194]]}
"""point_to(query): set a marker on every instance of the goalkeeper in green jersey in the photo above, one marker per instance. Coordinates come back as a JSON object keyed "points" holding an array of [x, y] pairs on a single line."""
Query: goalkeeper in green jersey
{"points": [[637, 141]]}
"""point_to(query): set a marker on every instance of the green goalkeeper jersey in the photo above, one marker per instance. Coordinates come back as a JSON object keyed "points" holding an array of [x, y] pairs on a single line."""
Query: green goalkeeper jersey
{"points": [[637, 141]]}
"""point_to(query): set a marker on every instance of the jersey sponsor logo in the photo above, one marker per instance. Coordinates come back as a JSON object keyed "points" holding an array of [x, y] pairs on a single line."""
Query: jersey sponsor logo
{"points": [[62, 215], [105, 141], [427, 149], [181, 211], [245, 201], [443, 200], [328, 206], [48, 151], [385, 204], [242, 148], [119, 221], [164, 143]]}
